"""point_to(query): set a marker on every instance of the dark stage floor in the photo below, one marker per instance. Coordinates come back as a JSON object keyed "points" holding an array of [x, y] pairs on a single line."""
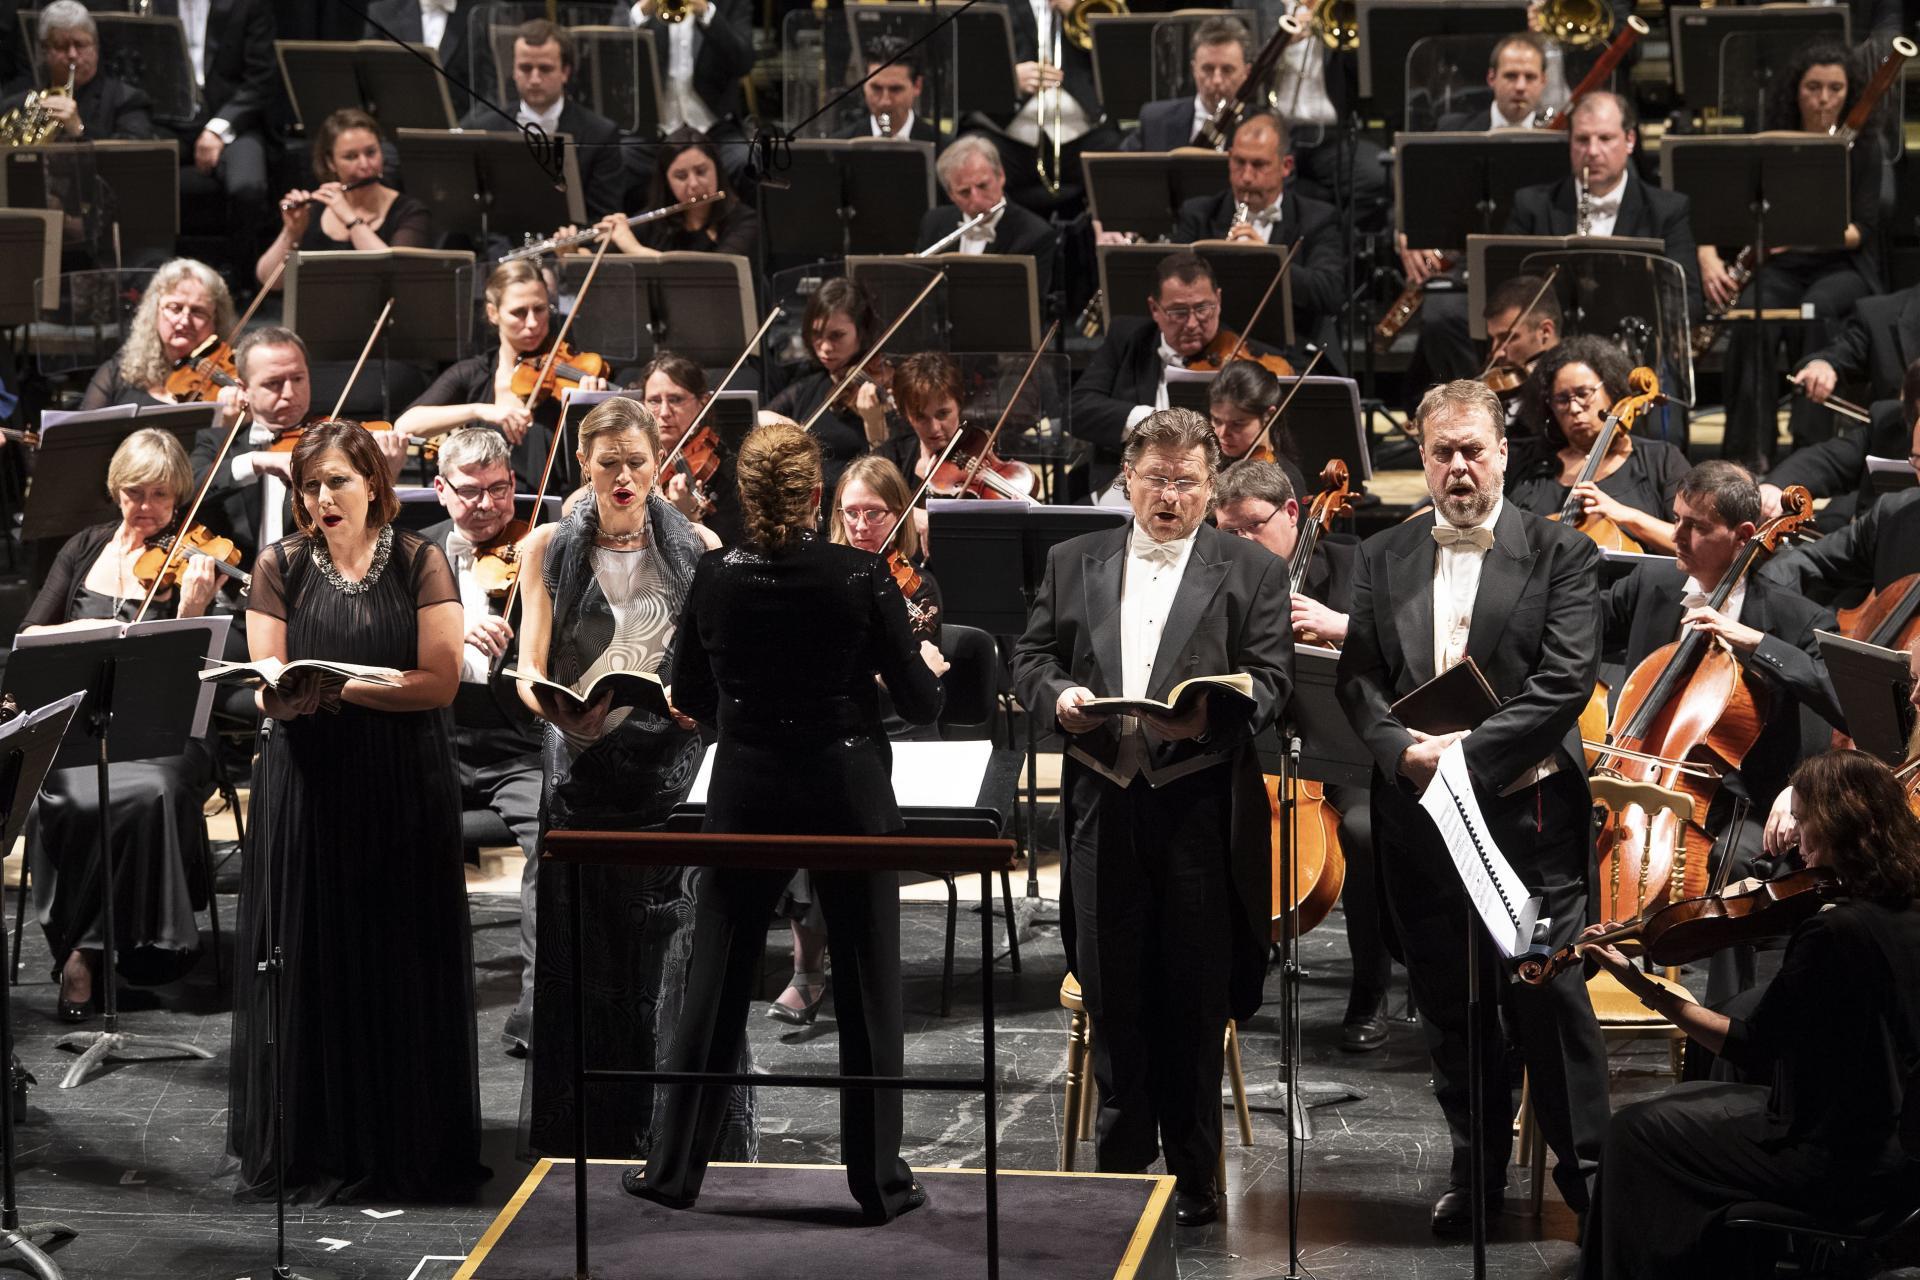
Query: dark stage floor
{"points": [[134, 1157]]}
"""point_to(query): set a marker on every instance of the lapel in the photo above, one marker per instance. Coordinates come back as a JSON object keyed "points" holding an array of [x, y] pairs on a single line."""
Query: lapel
{"points": [[1145, 364], [1908, 326], [1660, 612], [1636, 211], [1206, 570], [1410, 584], [1503, 573], [1002, 232], [1287, 229], [1101, 570], [1563, 217]]}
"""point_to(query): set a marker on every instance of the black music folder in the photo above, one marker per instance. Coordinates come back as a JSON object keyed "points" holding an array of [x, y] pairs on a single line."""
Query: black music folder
{"points": [[1455, 701]]}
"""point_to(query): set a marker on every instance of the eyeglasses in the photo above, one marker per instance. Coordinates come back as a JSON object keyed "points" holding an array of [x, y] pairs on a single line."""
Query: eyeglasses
{"points": [[678, 401], [1578, 395], [860, 516], [472, 493], [1184, 315], [175, 310], [1160, 484], [1250, 530]]}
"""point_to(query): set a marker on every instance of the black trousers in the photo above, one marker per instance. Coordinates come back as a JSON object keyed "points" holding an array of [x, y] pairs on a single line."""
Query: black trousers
{"points": [[1545, 832], [1787, 281], [1360, 903], [731, 910], [1152, 902]]}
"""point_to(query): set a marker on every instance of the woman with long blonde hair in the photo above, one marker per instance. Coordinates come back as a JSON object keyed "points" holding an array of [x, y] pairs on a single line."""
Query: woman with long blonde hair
{"points": [[185, 304]]}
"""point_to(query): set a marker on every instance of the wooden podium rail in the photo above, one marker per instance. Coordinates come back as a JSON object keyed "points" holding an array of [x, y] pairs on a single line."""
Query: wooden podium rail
{"points": [[934, 854]]}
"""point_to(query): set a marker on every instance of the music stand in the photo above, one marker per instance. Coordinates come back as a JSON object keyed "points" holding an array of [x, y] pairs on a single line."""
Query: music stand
{"points": [[1142, 192], [1390, 28], [616, 72], [1129, 275], [147, 50], [842, 195], [1873, 686], [67, 494], [483, 184], [1123, 46], [990, 301], [135, 195], [29, 265], [969, 64], [145, 674], [1698, 33], [1487, 166], [699, 305], [330, 294], [389, 81], [28, 744], [1323, 421]]}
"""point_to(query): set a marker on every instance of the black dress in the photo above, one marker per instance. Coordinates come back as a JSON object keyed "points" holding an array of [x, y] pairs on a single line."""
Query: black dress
{"points": [[408, 224], [107, 388], [159, 833], [735, 229], [780, 652], [359, 812], [842, 435], [1646, 481]]}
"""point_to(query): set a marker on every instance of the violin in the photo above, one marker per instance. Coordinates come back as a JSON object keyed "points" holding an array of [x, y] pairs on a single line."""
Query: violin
{"points": [[496, 562], [287, 439], [1646, 393], [1505, 380], [876, 373], [1696, 928], [202, 373], [1686, 713], [1227, 345], [697, 457], [924, 617], [535, 375], [163, 565], [973, 470]]}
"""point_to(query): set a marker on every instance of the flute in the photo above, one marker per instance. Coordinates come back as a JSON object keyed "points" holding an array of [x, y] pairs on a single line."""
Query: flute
{"points": [[954, 235], [560, 244], [288, 206]]}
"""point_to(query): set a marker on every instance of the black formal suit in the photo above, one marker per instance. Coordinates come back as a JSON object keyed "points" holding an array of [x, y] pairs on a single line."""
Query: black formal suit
{"points": [[597, 151], [1878, 342], [1164, 125], [1837, 468], [1166, 892], [1872, 349], [402, 18], [1535, 633], [1550, 209], [1319, 274], [1478, 120], [779, 653], [239, 84], [921, 130], [722, 53], [1019, 230], [231, 507], [1873, 552]]}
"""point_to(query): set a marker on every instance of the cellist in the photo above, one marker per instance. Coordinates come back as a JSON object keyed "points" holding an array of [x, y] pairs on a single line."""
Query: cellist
{"points": [[1770, 630]]}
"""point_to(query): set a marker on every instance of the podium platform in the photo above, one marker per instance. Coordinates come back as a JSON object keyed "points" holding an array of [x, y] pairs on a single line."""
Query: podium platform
{"points": [[759, 1220]]}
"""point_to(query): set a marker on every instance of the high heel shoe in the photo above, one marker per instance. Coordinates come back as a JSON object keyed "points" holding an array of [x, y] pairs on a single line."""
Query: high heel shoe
{"points": [[72, 1010], [804, 1015]]}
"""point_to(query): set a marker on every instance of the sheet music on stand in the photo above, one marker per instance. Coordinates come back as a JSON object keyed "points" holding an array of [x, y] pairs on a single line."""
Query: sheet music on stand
{"points": [[1499, 898]]}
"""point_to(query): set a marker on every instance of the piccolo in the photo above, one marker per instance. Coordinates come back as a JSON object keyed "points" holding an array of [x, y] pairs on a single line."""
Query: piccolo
{"points": [[560, 244], [288, 206], [953, 236]]}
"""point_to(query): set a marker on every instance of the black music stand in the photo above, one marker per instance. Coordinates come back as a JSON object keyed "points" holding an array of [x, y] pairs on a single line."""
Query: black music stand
{"points": [[616, 72], [1698, 33], [990, 301], [67, 495], [389, 81], [482, 185], [1487, 166], [129, 194], [1323, 422], [27, 747], [838, 196], [1142, 192], [29, 257], [331, 295], [1123, 61], [144, 49], [1129, 275], [1390, 28], [994, 561], [145, 674], [1873, 685], [699, 305], [969, 64]]}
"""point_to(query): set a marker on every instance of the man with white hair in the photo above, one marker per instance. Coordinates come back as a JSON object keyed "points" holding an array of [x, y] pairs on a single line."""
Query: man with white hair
{"points": [[101, 106], [974, 179]]}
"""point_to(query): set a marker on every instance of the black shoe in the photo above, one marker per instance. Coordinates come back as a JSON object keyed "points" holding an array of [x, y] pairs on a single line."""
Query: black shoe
{"points": [[1453, 1212], [916, 1198], [1195, 1208], [1364, 1034], [634, 1183], [75, 1010], [514, 1036]]}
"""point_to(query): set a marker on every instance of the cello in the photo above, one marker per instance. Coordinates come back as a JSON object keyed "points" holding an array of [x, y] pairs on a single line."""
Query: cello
{"points": [[1686, 713], [1645, 394]]}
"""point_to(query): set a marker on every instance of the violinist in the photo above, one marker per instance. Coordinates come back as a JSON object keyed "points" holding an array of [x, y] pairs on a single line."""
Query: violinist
{"points": [[839, 323], [1240, 400], [496, 746], [689, 168], [928, 389], [480, 388], [1257, 501], [1520, 595], [352, 207], [1126, 379], [155, 804], [1836, 1033], [1769, 628], [1574, 387], [1523, 323], [185, 304], [674, 389]]}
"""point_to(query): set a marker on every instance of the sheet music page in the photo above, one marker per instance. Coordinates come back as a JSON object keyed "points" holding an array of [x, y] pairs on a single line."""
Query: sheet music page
{"points": [[1493, 888], [926, 775]]}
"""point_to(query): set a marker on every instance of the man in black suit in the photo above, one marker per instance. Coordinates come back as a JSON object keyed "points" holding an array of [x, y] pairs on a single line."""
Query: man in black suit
{"points": [[223, 148], [1222, 53], [1873, 350], [892, 90], [971, 175], [703, 59], [1126, 379], [1057, 94], [1837, 468], [1165, 824], [1516, 76], [1520, 596], [1257, 501], [1871, 554], [442, 26], [542, 66], [102, 106], [1258, 168]]}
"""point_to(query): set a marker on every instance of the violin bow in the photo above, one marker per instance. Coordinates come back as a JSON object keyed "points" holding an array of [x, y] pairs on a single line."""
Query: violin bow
{"points": [[1500, 348], [858, 365], [1266, 429], [946, 454], [361, 363], [553, 352], [673, 454], [1286, 265]]}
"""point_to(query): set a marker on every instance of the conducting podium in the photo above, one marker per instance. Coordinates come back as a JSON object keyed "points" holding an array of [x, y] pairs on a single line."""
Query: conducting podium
{"points": [[401, 86], [483, 184], [699, 305], [1479, 171], [841, 197], [1129, 275], [1142, 192], [990, 302]]}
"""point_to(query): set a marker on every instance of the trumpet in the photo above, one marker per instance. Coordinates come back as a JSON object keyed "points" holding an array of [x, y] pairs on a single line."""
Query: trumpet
{"points": [[30, 123], [1579, 23], [673, 10]]}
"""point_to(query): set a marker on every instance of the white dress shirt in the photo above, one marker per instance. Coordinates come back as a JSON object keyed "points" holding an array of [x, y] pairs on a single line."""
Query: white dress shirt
{"points": [[1265, 220], [1695, 596], [683, 105], [193, 16], [1301, 89], [1456, 584], [548, 120], [474, 664], [1151, 581], [1603, 211], [1499, 121], [433, 21]]}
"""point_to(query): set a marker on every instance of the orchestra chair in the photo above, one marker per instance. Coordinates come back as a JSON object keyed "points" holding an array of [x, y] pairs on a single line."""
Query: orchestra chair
{"points": [[971, 690], [1077, 1109], [1620, 1014]]}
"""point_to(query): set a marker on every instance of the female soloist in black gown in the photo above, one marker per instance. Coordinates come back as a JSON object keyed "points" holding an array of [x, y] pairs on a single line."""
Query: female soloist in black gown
{"points": [[360, 811]]}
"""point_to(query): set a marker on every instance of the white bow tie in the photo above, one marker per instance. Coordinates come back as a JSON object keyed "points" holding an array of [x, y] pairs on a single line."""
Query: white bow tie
{"points": [[1479, 537], [1606, 206], [439, 6], [1162, 553], [459, 549]]}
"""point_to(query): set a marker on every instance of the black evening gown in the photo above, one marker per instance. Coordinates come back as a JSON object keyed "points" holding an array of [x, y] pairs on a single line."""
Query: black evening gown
{"points": [[359, 814]]}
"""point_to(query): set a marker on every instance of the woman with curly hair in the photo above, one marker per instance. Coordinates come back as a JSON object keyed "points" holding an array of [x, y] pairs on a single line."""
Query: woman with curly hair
{"points": [[1838, 1032], [1573, 388], [186, 303]]}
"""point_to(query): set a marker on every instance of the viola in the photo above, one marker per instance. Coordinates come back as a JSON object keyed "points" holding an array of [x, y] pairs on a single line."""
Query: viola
{"points": [[202, 373], [924, 617], [1686, 713], [1696, 928], [697, 457], [199, 541], [534, 378], [973, 470], [496, 562], [876, 373], [1226, 345], [1646, 393]]}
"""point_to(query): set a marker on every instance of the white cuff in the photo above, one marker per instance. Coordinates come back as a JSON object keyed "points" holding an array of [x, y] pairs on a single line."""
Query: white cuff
{"points": [[242, 469], [706, 15], [1139, 413], [475, 666], [220, 129]]}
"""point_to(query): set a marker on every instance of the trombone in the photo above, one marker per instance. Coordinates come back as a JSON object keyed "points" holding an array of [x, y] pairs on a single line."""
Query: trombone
{"points": [[1050, 60]]}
